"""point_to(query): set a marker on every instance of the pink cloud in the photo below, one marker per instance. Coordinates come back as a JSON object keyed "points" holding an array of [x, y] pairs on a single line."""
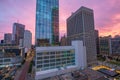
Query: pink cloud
{"points": [[107, 14]]}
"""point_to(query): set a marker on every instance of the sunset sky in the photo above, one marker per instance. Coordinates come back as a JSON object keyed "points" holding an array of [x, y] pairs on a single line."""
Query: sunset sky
{"points": [[107, 14]]}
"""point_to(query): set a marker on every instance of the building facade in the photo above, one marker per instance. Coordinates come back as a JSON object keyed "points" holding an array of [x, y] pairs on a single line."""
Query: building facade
{"points": [[105, 45], [52, 61], [115, 45], [27, 39], [63, 41], [97, 41], [18, 33], [47, 22], [80, 26], [10, 61], [8, 38]]}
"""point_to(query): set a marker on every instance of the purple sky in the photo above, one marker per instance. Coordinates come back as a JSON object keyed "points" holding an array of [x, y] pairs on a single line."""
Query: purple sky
{"points": [[107, 14]]}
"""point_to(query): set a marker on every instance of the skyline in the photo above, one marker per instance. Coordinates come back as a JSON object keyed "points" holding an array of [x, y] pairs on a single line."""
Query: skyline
{"points": [[107, 18]]}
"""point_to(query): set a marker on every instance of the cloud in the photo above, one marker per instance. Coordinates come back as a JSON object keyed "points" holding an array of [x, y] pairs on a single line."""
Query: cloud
{"points": [[107, 14]]}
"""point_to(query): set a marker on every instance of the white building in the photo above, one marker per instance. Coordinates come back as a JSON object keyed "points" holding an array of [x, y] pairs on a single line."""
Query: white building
{"points": [[27, 39], [52, 61]]}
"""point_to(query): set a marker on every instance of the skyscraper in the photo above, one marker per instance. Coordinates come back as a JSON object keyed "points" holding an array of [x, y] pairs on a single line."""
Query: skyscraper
{"points": [[18, 33], [8, 38], [27, 39], [80, 26], [97, 41], [47, 22]]}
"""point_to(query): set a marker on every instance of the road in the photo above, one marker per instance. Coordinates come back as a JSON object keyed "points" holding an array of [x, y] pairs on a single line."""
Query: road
{"points": [[24, 71]]}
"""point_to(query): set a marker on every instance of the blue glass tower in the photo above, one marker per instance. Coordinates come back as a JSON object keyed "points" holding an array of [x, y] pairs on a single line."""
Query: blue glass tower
{"points": [[47, 22]]}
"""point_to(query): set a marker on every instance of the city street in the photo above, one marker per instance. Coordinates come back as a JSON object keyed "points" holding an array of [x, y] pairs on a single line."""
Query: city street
{"points": [[24, 71]]}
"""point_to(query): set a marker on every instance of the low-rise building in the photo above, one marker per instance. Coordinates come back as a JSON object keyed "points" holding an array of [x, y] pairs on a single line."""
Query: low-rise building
{"points": [[52, 61], [10, 60], [105, 45], [115, 44]]}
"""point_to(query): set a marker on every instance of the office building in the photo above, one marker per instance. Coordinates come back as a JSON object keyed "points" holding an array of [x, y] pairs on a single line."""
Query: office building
{"points": [[18, 33], [105, 45], [115, 45], [47, 23], [8, 38], [27, 39], [97, 41], [52, 61], [80, 26]]}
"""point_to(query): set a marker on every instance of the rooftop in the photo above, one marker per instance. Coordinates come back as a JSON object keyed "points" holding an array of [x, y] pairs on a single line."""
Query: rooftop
{"points": [[82, 8]]}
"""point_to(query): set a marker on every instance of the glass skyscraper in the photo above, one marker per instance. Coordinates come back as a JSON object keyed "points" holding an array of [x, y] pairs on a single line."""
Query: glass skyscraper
{"points": [[47, 22]]}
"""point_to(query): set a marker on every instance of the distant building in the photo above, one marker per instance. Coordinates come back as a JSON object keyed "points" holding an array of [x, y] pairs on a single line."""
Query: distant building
{"points": [[63, 41], [47, 23], [80, 26], [105, 45], [18, 33], [27, 39], [52, 61], [8, 38], [97, 41], [115, 45]]}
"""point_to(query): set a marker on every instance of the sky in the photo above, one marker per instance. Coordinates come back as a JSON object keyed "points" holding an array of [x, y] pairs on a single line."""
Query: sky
{"points": [[106, 15]]}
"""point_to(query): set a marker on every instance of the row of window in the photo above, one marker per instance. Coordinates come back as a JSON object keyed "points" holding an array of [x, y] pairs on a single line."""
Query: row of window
{"points": [[54, 55], [49, 66], [55, 61], [58, 52], [55, 58]]}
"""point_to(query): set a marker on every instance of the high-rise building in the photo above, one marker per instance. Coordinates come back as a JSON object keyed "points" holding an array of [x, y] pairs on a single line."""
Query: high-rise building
{"points": [[18, 33], [8, 38], [47, 22], [27, 39], [97, 41], [80, 26]]}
